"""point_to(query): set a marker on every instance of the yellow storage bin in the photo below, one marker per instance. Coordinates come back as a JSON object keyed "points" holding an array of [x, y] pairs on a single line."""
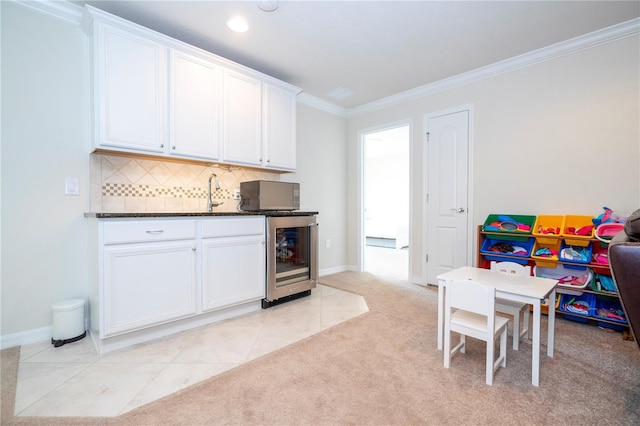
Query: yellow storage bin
{"points": [[547, 227], [546, 261], [573, 223]]}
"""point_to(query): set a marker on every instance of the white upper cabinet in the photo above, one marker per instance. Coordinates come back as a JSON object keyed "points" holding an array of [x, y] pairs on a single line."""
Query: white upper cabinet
{"points": [[159, 96], [195, 106], [130, 87], [279, 127], [242, 119]]}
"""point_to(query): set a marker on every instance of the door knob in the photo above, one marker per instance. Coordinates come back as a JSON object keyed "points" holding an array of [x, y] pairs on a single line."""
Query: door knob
{"points": [[459, 210]]}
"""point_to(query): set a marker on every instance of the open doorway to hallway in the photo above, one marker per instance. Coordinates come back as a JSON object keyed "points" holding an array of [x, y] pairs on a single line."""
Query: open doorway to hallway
{"points": [[386, 203]]}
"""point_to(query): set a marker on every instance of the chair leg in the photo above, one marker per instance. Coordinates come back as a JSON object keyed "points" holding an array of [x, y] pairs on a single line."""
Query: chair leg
{"points": [[448, 351], [527, 328], [446, 348], [516, 331], [490, 361], [503, 348]]}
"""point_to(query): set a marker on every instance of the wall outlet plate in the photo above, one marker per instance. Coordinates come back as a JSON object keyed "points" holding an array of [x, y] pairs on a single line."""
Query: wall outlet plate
{"points": [[236, 194], [71, 186]]}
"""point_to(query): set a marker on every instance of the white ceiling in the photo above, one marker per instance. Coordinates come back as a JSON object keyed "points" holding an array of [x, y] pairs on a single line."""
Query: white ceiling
{"points": [[373, 48]]}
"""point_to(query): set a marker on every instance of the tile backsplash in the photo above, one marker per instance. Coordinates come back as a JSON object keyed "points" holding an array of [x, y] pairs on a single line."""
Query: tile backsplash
{"points": [[121, 184]]}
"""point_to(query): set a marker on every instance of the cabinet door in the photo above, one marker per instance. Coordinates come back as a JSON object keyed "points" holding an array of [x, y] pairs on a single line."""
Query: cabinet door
{"points": [[131, 91], [233, 271], [195, 106], [147, 284], [242, 119], [279, 127]]}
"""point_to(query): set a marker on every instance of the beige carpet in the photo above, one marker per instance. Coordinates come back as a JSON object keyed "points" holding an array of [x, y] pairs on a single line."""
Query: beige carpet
{"points": [[383, 368]]}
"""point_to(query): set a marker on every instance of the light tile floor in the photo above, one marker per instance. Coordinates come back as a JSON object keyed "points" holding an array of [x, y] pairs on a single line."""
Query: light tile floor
{"points": [[73, 380], [387, 263]]}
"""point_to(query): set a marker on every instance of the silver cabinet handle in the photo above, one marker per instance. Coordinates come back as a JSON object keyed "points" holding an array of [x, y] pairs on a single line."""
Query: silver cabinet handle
{"points": [[156, 232], [459, 210]]}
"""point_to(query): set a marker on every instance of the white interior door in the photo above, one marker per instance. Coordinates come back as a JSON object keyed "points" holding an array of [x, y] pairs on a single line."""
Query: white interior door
{"points": [[447, 200]]}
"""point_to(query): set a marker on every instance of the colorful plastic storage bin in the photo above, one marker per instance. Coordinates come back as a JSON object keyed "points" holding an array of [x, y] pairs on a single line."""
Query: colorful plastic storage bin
{"points": [[609, 308], [547, 227], [514, 256], [603, 283], [514, 227], [546, 261], [570, 280], [575, 254], [599, 255], [605, 232], [577, 222], [579, 308]]}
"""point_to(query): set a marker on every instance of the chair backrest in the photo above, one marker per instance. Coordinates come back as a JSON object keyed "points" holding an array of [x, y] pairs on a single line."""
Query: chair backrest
{"points": [[471, 296], [511, 268]]}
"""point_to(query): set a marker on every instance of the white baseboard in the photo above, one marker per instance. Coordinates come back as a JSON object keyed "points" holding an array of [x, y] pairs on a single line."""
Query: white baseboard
{"points": [[26, 337], [334, 270]]}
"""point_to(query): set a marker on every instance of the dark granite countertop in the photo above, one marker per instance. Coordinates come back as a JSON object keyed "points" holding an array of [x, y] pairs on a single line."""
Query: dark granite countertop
{"points": [[200, 214]]}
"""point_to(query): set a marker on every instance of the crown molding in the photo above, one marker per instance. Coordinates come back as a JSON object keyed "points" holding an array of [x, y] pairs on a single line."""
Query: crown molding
{"points": [[58, 9], [606, 35], [315, 102]]}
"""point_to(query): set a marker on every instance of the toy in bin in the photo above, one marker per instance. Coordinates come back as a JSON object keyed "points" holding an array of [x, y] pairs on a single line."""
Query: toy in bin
{"points": [[582, 305], [609, 309], [576, 306], [507, 223], [606, 231], [575, 254], [507, 248]]}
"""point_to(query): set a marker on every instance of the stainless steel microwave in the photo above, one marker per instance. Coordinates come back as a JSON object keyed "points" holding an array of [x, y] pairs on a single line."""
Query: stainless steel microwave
{"points": [[269, 195]]}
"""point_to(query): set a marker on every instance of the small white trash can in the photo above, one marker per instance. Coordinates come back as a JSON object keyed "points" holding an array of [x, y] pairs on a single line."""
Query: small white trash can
{"points": [[68, 321]]}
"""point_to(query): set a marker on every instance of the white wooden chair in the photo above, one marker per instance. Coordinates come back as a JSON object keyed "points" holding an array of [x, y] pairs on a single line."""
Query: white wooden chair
{"points": [[512, 307], [470, 311]]}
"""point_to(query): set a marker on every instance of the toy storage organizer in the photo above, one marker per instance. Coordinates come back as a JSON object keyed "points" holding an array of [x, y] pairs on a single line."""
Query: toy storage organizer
{"points": [[586, 292]]}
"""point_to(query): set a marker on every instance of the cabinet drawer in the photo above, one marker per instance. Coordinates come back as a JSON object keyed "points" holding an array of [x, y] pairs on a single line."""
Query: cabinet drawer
{"points": [[152, 230], [232, 226]]}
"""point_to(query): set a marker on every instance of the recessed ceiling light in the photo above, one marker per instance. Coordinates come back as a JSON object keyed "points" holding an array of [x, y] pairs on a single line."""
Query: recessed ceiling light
{"points": [[238, 24], [268, 5]]}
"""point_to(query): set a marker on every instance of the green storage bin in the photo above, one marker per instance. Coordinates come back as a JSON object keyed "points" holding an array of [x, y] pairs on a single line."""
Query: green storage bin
{"points": [[509, 233]]}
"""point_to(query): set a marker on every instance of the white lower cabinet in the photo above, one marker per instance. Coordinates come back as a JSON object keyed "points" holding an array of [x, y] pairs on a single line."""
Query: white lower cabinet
{"points": [[233, 261], [148, 284], [154, 277]]}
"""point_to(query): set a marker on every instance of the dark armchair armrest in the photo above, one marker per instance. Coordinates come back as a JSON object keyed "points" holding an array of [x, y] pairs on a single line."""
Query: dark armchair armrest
{"points": [[624, 262]]}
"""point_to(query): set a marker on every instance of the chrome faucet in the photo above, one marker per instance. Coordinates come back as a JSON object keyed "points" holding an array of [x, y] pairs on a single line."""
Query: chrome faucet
{"points": [[210, 203]]}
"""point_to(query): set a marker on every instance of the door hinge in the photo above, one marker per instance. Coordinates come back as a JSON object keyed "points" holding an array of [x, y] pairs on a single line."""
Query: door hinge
{"points": [[428, 134], [426, 197], [426, 258]]}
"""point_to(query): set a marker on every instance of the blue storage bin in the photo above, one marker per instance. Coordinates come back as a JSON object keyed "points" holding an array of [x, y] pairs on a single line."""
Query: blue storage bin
{"points": [[512, 257], [582, 320], [582, 260], [582, 305], [610, 309]]}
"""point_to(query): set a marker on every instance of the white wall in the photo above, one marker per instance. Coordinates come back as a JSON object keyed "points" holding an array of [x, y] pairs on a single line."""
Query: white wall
{"points": [[44, 140], [562, 137], [322, 174]]}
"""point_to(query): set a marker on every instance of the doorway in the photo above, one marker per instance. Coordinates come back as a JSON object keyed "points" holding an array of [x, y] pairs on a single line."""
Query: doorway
{"points": [[385, 195]]}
